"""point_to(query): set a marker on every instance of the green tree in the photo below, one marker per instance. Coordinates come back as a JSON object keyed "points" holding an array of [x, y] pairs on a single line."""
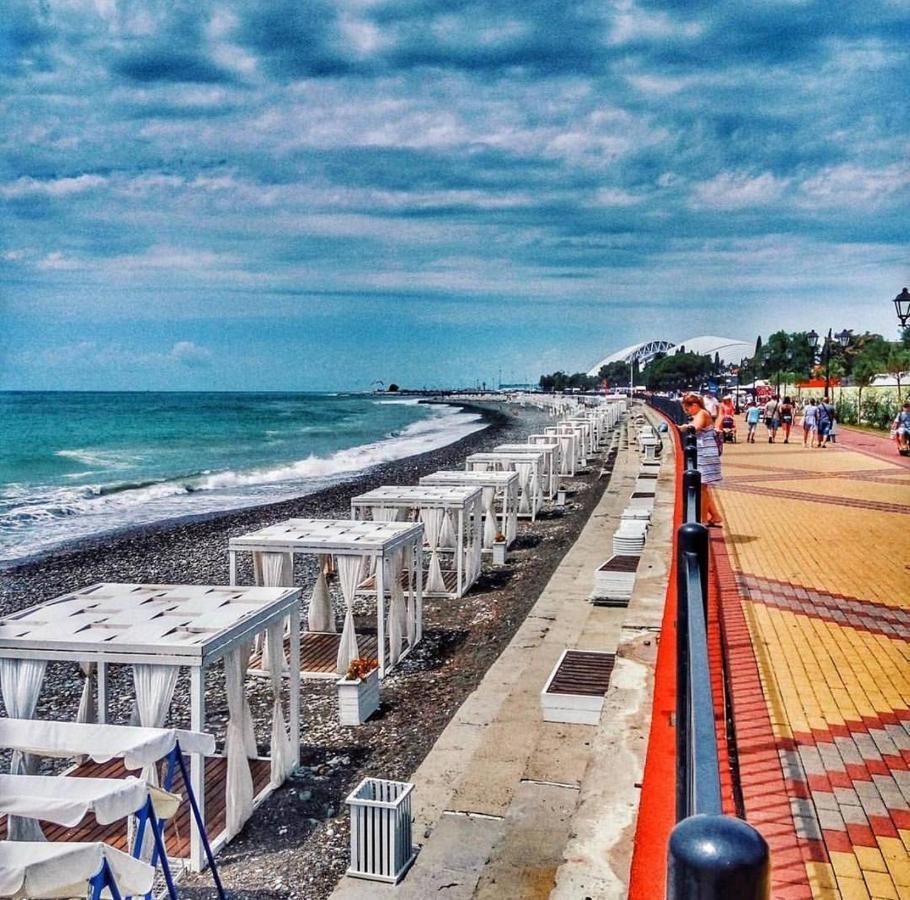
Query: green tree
{"points": [[616, 374], [682, 370], [897, 362]]}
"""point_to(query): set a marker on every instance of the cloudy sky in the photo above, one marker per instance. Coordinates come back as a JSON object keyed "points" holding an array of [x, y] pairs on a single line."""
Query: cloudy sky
{"points": [[307, 194]]}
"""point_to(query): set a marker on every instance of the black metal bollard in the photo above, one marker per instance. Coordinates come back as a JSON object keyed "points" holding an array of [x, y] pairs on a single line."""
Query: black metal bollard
{"points": [[691, 539], [690, 449], [691, 487], [717, 858]]}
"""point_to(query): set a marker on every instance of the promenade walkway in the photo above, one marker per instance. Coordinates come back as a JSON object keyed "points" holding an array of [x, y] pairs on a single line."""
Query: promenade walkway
{"points": [[813, 569]]}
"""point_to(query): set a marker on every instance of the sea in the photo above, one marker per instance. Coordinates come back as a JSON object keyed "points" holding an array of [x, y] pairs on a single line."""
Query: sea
{"points": [[79, 465]]}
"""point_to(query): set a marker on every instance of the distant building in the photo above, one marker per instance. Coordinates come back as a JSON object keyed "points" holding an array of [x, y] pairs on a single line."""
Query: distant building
{"points": [[729, 350]]}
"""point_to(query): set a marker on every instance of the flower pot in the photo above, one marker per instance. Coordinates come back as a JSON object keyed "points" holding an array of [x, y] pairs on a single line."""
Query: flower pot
{"points": [[358, 698], [499, 553]]}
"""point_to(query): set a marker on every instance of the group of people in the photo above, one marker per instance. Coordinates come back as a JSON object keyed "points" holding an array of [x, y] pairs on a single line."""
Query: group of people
{"points": [[819, 420]]}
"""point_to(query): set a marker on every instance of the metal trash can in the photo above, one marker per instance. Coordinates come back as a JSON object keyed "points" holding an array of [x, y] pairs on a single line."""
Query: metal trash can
{"points": [[381, 847]]}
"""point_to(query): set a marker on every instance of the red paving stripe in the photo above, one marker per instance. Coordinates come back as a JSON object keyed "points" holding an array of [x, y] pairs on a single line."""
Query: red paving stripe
{"points": [[874, 445], [766, 798], [851, 612], [805, 496], [877, 476]]}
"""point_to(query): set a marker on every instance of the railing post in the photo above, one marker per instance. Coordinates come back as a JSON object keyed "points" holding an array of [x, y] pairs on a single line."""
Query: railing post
{"points": [[691, 539], [717, 858], [691, 487], [690, 449]]}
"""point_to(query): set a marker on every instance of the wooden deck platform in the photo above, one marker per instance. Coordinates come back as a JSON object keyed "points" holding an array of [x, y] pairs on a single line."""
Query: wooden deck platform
{"points": [[449, 577], [319, 653], [177, 831]]}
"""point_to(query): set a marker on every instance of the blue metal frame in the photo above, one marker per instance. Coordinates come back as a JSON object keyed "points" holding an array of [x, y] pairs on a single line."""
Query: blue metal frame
{"points": [[104, 879], [147, 815]]}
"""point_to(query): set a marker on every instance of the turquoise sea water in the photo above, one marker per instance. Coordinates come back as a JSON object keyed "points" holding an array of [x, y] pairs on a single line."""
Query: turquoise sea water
{"points": [[74, 465]]}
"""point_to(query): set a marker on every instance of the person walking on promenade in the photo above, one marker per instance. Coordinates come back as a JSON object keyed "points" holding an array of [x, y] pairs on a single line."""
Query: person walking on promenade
{"points": [[825, 418], [810, 423], [708, 457], [786, 418], [772, 417], [753, 417], [901, 429]]}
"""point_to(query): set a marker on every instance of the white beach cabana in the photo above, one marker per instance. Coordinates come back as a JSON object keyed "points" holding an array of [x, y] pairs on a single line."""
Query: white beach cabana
{"points": [[158, 630], [390, 552], [587, 432], [549, 478], [530, 468], [500, 500], [581, 446], [452, 516], [568, 448]]}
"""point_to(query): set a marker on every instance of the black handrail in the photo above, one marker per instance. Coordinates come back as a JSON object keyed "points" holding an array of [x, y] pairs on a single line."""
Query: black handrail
{"points": [[711, 856]]}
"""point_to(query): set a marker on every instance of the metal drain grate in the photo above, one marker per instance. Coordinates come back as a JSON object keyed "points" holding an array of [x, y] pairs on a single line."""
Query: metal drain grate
{"points": [[583, 672]]}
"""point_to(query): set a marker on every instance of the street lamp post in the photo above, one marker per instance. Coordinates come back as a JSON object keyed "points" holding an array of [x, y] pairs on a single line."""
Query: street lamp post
{"points": [[843, 338], [902, 307]]}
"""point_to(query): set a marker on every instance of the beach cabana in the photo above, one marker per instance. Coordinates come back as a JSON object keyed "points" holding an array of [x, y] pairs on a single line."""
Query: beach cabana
{"points": [[568, 449], [500, 500], [587, 432], [452, 516], [581, 446], [549, 478], [529, 466], [389, 552], [157, 630]]}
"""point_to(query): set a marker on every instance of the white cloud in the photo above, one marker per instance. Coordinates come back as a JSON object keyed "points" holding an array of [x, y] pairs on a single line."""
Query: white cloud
{"points": [[736, 190], [192, 355], [853, 184], [54, 187]]}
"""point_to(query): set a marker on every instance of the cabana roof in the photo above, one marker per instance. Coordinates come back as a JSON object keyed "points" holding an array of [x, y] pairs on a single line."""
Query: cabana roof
{"points": [[158, 623], [526, 450], [330, 536], [420, 495], [499, 479]]}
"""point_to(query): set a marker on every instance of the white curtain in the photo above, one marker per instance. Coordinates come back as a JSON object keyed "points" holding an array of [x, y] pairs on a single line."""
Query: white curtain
{"points": [[534, 486], [154, 691], [447, 536], [20, 684], [320, 616], [565, 449], [238, 789], [86, 711], [349, 576], [432, 522], [398, 622], [479, 467], [273, 570], [281, 750], [524, 475], [489, 516], [511, 518]]}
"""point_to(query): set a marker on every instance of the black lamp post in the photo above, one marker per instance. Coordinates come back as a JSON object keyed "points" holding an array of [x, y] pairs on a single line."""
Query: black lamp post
{"points": [[902, 307]]}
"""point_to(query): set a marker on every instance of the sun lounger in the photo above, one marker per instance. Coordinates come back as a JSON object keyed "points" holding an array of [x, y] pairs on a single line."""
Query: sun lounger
{"points": [[43, 870]]}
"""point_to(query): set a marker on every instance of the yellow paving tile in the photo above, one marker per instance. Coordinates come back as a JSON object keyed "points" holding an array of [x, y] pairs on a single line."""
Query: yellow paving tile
{"points": [[817, 672]]}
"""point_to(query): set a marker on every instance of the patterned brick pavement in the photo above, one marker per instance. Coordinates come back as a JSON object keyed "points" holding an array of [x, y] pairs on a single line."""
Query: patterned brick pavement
{"points": [[813, 571]]}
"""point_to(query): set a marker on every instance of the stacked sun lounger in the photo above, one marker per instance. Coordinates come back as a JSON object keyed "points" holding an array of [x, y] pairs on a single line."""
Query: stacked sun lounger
{"points": [[629, 538], [614, 581]]}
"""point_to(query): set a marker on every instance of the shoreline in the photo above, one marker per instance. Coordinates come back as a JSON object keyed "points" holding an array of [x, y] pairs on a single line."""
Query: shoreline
{"points": [[126, 554], [491, 418]]}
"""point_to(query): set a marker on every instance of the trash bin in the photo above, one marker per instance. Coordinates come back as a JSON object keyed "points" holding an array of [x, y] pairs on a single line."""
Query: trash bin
{"points": [[381, 847]]}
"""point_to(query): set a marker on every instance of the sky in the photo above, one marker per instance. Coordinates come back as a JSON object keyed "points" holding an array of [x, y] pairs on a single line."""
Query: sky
{"points": [[288, 195]]}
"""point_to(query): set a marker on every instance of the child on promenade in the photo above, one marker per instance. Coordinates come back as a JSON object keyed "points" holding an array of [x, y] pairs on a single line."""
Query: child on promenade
{"points": [[753, 416], [786, 418], [810, 423]]}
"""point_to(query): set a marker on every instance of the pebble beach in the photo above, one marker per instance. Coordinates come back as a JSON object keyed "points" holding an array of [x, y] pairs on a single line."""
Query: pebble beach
{"points": [[296, 844]]}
